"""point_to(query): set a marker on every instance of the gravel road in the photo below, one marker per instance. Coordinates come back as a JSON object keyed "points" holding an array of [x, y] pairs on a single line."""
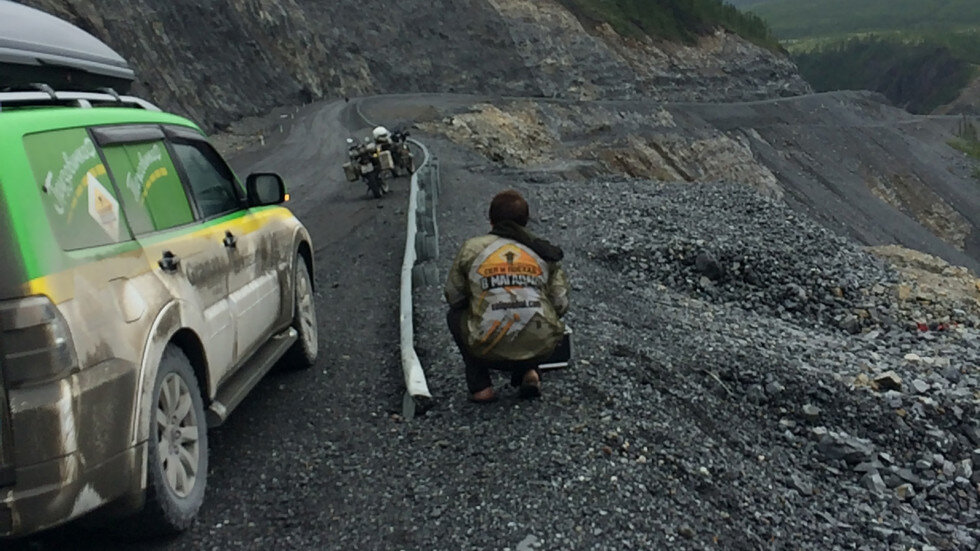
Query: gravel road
{"points": [[701, 411]]}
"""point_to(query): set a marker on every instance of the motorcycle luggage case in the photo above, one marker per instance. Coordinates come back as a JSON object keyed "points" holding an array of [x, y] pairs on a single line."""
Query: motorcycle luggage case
{"points": [[351, 172], [387, 162]]}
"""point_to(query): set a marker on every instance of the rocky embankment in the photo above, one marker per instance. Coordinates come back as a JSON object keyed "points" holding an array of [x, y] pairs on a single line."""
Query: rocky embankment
{"points": [[855, 164], [742, 378], [746, 374], [218, 62]]}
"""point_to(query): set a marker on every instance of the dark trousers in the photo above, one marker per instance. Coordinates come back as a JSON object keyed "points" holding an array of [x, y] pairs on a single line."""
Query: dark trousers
{"points": [[478, 369]]}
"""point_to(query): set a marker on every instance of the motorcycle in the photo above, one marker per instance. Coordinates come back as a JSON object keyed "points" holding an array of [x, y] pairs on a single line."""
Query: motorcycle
{"points": [[365, 164], [401, 152]]}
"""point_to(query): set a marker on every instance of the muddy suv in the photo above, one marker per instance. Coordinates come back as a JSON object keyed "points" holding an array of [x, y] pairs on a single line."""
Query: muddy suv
{"points": [[144, 292]]}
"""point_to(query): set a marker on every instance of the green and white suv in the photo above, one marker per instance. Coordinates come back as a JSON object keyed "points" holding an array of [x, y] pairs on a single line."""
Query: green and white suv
{"points": [[144, 292]]}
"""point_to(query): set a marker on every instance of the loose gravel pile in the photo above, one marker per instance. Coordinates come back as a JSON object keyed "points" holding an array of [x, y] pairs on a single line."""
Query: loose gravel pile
{"points": [[748, 250], [741, 380]]}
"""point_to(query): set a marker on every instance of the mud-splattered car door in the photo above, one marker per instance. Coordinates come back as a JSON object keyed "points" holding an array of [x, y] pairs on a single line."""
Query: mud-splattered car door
{"points": [[253, 278], [185, 251]]}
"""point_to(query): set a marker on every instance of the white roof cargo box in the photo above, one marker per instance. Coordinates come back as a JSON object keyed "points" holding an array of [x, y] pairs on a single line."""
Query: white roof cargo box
{"points": [[36, 47]]}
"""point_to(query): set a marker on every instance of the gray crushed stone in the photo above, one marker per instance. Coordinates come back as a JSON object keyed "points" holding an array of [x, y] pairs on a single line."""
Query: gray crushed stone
{"points": [[718, 396]]}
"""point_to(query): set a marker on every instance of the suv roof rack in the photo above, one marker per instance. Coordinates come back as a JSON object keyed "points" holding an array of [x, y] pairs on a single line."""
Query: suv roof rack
{"points": [[45, 95]]}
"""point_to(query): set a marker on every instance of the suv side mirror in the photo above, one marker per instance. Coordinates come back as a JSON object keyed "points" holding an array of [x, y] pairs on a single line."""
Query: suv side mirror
{"points": [[265, 188]]}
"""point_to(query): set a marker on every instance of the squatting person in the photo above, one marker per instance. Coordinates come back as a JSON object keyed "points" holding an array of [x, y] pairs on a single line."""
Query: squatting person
{"points": [[506, 293]]}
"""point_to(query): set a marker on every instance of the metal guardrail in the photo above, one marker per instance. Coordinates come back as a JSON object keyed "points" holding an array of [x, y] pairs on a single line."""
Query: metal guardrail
{"points": [[421, 245]]}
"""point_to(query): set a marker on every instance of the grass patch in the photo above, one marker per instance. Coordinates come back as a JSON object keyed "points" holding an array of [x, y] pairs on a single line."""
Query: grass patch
{"points": [[968, 141], [971, 148]]}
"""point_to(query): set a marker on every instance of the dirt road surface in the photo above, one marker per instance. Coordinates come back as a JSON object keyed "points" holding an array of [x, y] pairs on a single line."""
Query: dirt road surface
{"points": [[680, 426]]}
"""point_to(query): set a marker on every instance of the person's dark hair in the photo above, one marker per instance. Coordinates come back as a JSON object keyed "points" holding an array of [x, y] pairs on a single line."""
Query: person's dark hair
{"points": [[509, 205]]}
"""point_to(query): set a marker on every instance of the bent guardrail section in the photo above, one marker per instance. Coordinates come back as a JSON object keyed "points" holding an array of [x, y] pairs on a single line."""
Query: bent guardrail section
{"points": [[421, 244]]}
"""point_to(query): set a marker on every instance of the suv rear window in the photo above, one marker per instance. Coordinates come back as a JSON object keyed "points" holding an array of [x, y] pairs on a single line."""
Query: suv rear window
{"points": [[153, 195], [78, 198]]}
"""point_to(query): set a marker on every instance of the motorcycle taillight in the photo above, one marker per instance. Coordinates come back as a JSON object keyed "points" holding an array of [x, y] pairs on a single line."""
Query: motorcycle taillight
{"points": [[35, 342]]}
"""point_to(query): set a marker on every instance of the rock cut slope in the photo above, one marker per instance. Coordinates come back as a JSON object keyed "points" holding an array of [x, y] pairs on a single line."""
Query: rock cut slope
{"points": [[217, 62], [847, 159]]}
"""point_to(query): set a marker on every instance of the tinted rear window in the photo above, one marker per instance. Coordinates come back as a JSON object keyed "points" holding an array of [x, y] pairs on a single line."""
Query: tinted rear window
{"points": [[153, 196], [79, 200]]}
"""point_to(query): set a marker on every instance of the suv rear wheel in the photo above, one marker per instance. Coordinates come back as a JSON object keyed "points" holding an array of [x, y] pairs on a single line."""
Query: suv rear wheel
{"points": [[178, 448]]}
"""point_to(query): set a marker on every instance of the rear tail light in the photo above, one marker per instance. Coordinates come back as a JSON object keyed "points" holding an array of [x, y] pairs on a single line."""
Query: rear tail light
{"points": [[35, 342]]}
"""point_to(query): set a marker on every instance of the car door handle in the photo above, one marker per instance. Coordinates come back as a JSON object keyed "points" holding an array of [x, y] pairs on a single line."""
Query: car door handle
{"points": [[169, 262], [230, 240]]}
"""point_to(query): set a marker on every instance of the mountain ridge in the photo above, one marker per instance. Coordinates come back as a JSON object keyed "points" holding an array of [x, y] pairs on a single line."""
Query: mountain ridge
{"points": [[513, 47]]}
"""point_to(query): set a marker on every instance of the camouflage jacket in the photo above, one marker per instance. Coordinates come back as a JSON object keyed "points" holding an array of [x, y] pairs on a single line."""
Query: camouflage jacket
{"points": [[515, 294]]}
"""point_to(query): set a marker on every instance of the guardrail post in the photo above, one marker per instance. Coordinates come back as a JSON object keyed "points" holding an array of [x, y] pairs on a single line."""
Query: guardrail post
{"points": [[435, 182], [424, 275], [427, 238]]}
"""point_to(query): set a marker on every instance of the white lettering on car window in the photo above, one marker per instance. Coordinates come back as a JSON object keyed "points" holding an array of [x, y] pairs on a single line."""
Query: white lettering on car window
{"points": [[62, 187], [136, 181]]}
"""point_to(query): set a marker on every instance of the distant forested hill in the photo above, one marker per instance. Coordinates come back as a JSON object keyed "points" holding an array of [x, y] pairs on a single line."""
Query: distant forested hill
{"points": [[919, 76], [677, 20], [794, 19], [922, 54]]}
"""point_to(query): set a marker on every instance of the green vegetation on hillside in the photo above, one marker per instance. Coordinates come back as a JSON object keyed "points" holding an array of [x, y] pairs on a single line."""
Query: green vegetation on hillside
{"points": [[921, 54], [745, 4], [919, 76], [675, 20], [964, 44], [968, 141], [793, 19]]}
